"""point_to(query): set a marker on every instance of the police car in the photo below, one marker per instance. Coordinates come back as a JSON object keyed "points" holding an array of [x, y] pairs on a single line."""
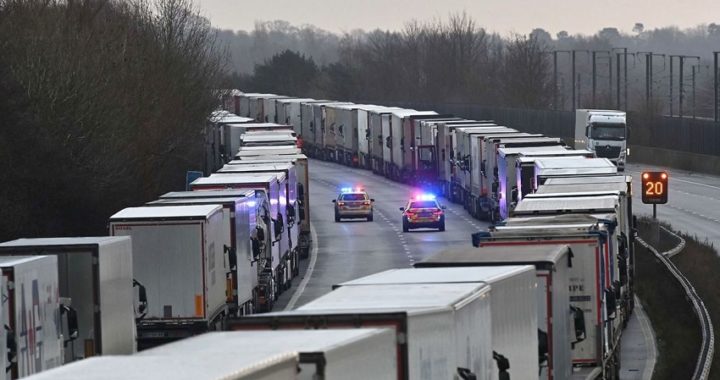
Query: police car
{"points": [[423, 211], [353, 204]]}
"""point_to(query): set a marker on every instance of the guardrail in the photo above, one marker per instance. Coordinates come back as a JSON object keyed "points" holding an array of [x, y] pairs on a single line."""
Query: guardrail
{"points": [[702, 368]]}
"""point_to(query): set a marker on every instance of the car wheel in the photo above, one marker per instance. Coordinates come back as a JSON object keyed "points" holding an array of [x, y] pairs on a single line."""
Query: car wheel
{"points": [[337, 217], [406, 226], [442, 226], [370, 218]]}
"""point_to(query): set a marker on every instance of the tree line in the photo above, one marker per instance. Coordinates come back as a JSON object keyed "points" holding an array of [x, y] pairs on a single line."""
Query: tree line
{"points": [[102, 106], [457, 60]]}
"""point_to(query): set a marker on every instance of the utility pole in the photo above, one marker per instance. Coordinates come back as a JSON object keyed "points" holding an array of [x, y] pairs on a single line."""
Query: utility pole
{"points": [[594, 74], [624, 53], [671, 84], [572, 108], [681, 86], [649, 76], [715, 78], [694, 109], [555, 77], [618, 80]]}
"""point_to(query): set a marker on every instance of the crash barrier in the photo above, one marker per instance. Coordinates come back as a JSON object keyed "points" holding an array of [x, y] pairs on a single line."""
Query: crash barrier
{"points": [[704, 361]]}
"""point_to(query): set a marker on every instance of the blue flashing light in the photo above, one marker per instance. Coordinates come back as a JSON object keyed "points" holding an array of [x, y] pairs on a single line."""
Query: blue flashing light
{"points": [[346, 190], [426, 197]]}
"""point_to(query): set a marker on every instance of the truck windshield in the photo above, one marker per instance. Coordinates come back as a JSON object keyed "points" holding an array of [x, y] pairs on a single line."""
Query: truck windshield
{"points": [[607, 131]]}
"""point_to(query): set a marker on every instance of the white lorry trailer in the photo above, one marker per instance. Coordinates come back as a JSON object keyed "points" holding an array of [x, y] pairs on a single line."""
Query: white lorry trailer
{"points": [[552, 264], [400, 157], [590, 281], [514, 324], [258, 365], [95, 279], [32, 315], [440, 329], [178, 255], [272, 186], [233, 132], [532, 172], [291, 217], [303, 195], [352, 354], [604, 132]]}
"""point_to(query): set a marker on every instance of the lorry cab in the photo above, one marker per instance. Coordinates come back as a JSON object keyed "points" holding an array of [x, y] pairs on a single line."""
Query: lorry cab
{"points": [[603, 131]]}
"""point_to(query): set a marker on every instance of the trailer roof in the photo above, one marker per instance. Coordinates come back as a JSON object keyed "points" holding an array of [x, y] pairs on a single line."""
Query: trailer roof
{"points": [[262, 125], [440, 276], [9, 261], [497, 255], [61, 243], [603, 187], [563, 219], [269, 158], [567, 163], [251, 167], [209, 194], [509, 136], [238, 343], [278, 137], [589, 204], [524, 140], [199, 201], [230, 119], [239, 178], [388, 298], [198, 367], [406, 113], [585, 180], [166, 213], [512, 151], [295, 100]]}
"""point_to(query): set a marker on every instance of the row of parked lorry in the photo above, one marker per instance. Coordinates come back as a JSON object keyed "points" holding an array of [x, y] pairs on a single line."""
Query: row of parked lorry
{"points": [[178, 266], [545, 293]]}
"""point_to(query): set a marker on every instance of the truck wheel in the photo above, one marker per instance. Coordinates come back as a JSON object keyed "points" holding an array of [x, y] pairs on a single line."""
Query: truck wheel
{"points": [[370, 217]]}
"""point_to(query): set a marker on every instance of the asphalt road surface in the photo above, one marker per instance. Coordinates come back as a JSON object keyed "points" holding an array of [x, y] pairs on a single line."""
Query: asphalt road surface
{"points": [[693, 202], [356, 248]]}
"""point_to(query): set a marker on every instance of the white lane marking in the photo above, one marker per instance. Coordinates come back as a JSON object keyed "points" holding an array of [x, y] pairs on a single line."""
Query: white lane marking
{"points": [[696, 183], [308, 273]]}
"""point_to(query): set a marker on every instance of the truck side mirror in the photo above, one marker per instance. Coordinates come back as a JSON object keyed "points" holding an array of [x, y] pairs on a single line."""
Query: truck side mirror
{"points": [[579, 321], [142, 300], [11, 344], [542, 347], [72, 323], [466, 374]]}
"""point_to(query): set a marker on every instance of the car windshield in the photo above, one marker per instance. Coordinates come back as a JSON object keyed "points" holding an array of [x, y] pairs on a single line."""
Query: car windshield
{"points": [[423, 204], [352, 197], [607, 131]]}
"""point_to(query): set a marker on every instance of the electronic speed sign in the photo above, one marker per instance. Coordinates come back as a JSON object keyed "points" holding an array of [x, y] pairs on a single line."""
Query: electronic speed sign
{"points": [[654, 187]]}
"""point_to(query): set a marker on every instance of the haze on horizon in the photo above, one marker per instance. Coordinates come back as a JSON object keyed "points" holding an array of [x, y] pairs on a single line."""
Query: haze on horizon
{"points": [[502, 16]]}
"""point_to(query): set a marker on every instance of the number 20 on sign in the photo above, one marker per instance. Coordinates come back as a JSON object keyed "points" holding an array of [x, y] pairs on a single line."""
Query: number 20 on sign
{"points": [[655, 187]]}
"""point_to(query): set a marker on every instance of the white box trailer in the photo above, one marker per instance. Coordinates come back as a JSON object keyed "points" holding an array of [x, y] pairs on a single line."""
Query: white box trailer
{"points": [[322, 354], [270, 108], [243, 276], [507, 179], [552, 264], [331, 131], [245, 103], [272, 185], [303, 194], [291, 215], [400, 144], [95, 279], [256, 366], [256, 105], [531, 172], [321, 128], [178, 255], [513, 301], [268, 139], [364, 134], [446, 152], [288, 111], [420, 156], [525, 166], [32, 315], [590, 286], [611, 207], [439, 328], [233, 132], [250, 151]]}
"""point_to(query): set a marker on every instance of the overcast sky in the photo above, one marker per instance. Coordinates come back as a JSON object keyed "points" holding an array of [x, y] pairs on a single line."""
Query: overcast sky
{"points": [[503, 16]]}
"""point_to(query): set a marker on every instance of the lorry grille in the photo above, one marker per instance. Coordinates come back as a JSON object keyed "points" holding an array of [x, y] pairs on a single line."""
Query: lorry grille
{"points": [[607, 151]]}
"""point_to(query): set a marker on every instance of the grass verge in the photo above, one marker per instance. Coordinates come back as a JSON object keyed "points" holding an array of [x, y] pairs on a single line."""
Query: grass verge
{"points": [[676, 328]]}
